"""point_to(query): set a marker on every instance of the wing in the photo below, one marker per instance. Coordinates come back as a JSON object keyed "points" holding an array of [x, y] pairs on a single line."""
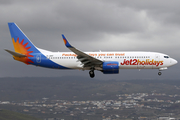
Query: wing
{"points": [[85, 59]]}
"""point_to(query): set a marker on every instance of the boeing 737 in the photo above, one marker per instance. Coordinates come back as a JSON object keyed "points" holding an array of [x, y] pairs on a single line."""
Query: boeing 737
{"points": [[106, 62]]}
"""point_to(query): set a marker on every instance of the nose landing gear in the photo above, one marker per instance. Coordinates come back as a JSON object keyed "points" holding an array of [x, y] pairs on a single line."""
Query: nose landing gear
{"points": [[159, 73]]}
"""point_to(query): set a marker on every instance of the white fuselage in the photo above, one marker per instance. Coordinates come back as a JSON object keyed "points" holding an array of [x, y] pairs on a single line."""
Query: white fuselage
{"points": [[127, 60]]}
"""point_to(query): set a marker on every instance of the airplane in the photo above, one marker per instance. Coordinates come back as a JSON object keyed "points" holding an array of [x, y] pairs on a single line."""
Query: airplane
{"points": [[106, 62]]}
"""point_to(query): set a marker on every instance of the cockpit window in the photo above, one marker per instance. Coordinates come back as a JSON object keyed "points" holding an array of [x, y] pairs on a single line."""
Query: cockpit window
{"points": [[166, 56]]}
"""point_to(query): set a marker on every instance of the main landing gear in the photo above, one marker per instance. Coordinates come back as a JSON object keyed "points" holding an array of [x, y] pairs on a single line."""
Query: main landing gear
{"points": [[159, 73], [91, 73]]}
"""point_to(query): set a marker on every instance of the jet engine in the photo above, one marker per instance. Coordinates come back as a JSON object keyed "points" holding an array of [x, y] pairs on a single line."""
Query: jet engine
{"points": [[111, 67]]}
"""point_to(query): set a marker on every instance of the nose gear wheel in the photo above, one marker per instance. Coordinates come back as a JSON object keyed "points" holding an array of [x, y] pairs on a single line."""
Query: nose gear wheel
{"points": [[159, 73]]}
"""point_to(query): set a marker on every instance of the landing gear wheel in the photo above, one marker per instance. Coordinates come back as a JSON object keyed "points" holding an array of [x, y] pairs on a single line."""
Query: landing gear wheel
{"points": [[91, 73], [159, 73]]}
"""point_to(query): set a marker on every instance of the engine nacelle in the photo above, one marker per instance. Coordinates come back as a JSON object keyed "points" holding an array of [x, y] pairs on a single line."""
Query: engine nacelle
{"points": [[111, 67]]}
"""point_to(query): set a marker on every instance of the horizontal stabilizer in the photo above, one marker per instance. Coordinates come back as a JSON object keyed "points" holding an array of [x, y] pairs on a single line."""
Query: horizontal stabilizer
{"points": [[15, 53]]}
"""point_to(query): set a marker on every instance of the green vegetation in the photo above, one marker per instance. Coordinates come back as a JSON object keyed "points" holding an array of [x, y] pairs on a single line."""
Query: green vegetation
{"points": [[9, 115]]}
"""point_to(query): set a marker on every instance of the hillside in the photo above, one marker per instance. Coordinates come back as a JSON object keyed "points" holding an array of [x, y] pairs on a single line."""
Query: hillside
{"points": [[9, 115], [79, 88]]}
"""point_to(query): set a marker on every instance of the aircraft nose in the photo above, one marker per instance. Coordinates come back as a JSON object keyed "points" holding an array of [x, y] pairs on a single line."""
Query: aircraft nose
{"points": [[173, 61]]}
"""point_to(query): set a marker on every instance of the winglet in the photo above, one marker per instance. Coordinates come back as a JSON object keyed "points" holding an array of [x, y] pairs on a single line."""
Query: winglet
{"points": [[66, 42]]}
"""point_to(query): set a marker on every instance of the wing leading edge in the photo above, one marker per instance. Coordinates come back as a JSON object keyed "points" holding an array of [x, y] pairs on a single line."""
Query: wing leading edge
{"points": [[85, 59]]}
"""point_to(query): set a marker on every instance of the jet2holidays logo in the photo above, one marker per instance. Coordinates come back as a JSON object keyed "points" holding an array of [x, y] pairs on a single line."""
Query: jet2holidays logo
{"points": [[138, 62]]}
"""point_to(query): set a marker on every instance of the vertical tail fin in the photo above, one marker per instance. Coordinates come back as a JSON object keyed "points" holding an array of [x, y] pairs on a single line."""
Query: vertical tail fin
{"points": [[19, 39], [22, 44]]}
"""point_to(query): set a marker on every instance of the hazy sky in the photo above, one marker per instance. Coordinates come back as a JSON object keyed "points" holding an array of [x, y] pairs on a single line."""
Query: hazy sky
{"points": [[92, 25]]}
